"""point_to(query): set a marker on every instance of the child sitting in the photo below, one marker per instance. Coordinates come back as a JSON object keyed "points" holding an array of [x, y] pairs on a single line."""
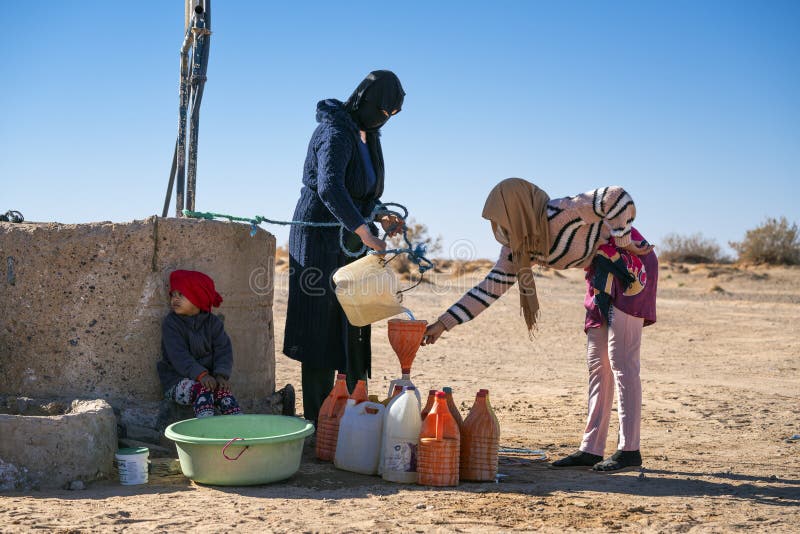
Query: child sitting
{"points": [[197, 357]]}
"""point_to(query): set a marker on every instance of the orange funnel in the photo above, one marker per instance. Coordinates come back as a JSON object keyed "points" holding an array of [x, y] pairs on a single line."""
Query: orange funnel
{"points": [[405, 337]]}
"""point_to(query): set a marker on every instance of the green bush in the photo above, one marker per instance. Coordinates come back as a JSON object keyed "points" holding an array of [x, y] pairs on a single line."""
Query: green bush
{"points": [[775, 242], [690, 249]]}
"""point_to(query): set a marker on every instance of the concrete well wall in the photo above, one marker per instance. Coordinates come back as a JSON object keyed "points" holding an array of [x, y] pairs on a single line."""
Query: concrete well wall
{"points": [[49, 449], [83, 305]]}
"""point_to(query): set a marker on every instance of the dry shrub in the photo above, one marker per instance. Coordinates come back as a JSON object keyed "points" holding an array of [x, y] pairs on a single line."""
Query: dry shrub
{"points": [[690, 249], [775, 242], [282, 258]]}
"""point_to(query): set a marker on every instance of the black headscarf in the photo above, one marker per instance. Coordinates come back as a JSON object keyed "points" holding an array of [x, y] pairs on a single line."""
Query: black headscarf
{"points": [[379, 91]]}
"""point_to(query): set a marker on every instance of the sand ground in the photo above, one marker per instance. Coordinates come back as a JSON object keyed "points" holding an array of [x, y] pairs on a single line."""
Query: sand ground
{"points": [[721, 382]]}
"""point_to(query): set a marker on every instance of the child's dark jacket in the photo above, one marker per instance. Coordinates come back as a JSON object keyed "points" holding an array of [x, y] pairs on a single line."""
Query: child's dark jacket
{"points": [[191, 345]]}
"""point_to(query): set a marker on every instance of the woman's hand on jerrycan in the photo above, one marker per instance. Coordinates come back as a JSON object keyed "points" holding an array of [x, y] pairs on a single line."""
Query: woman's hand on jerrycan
{"points": [[432, 333], [370, 240], [392, 224]]}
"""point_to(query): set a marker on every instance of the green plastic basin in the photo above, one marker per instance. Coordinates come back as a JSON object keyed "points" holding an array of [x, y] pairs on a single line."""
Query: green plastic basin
{"points": [[239, 450]]}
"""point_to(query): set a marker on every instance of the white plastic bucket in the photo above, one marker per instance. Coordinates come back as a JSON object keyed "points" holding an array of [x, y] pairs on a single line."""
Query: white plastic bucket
{"points": [[132, 464]]}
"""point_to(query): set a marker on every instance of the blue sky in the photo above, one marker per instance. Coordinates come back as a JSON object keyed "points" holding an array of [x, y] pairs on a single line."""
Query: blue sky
{"points": [[692, 106]]}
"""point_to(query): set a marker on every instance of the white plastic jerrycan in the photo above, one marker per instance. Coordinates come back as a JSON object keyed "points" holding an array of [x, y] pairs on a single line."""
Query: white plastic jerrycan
{"points": [[367, 290], [402, 425], [359, 441]]}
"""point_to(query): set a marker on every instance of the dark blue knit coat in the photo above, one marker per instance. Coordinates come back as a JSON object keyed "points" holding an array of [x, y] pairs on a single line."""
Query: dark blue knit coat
{"points": [[336, 188]]}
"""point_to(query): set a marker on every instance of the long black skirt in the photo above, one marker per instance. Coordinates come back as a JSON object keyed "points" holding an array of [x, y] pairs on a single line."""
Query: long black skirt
{"points": [[317, 332]]}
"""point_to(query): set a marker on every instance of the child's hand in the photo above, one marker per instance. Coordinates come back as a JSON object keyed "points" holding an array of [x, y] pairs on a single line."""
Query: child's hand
{"points": [[640, 248], [208, 382], [432, 333], [223, 383]]}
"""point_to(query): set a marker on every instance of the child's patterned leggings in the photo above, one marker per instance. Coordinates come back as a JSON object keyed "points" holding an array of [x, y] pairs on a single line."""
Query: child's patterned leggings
{"points": [[192, 393]]}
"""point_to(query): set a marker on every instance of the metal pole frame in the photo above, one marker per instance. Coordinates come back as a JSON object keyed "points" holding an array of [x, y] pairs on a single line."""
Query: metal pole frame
{"points": [[192, 81]]}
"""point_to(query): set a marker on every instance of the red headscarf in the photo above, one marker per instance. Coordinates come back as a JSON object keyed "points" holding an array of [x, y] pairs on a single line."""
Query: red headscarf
{"points": [[197, 287]]}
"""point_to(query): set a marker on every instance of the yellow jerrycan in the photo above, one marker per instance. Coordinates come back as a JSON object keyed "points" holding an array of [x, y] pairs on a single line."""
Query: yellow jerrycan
{"points": [[367, 290]]}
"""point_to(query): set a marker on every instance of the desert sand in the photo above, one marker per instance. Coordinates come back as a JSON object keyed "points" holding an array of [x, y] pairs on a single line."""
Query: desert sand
{"points": [[721, 383]]}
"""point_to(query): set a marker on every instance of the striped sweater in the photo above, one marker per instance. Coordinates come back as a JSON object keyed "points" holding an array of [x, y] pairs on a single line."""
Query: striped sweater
{"points": [[578, 225]]}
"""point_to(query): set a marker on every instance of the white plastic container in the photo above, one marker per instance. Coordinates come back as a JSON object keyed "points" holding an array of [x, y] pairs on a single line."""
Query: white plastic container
{"points": [[402, 424], [359, 442], [132, 464], [405, 381], [367, 290], [389, 402]]}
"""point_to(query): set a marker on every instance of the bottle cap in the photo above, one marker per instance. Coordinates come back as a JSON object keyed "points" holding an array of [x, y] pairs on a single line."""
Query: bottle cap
{"points": [[481, 393], [409, 388], [447, 389], [432, 392], [484, 391], [440, 395], [341, 376]]}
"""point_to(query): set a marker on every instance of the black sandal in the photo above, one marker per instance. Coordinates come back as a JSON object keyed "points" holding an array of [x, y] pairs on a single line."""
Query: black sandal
{"points": [[620, 461], [577, 459]]}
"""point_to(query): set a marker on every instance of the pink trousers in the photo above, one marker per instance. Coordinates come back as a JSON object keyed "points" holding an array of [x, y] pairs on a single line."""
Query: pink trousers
{"points": [[613, 357]]}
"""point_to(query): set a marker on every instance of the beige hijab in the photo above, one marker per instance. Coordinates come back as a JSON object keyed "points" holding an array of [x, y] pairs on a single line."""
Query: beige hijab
{"points": [[519, 208]]}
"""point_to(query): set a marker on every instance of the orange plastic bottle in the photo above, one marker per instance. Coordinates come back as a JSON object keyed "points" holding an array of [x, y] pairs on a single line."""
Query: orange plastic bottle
{"points": [[428, 405], [397, 391], [491, 410], [480, 441], [330, 414], [439, 451], [451, 405], [360, 392]]}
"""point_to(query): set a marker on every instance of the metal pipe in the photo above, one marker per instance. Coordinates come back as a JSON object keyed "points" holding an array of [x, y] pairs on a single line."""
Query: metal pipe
{"points": [[197, 82], [171, 182], [181, 142], [192, 81]]}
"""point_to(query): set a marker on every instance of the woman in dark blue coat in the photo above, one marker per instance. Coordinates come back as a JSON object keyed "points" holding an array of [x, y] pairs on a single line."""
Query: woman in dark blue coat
{"points": [[342, 182]]}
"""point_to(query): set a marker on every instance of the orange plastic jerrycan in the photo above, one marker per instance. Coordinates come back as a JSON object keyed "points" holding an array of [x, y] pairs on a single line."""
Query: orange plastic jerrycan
{"points": [[439, 447], [398, 389], [330, 414], [360, 392], [480, 441], [428, 405], [451, 405]]}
